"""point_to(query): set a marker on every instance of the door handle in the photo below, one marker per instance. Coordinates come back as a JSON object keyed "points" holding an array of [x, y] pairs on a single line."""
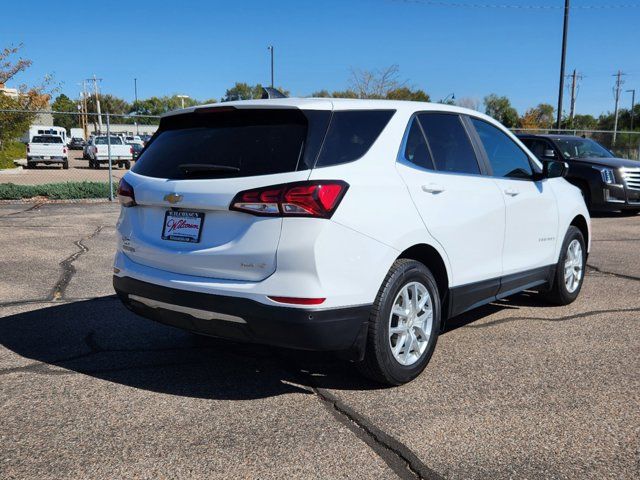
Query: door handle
{"points": [[512, 192], [433, 188]]}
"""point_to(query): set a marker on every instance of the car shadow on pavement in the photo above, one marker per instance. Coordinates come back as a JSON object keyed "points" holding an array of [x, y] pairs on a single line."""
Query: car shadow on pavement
{"points": [[101, 338]]}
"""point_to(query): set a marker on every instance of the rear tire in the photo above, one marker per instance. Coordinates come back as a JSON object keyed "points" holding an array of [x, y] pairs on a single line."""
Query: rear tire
{"points": [[65, 165], [569, 276], [127, 165], [399, 346]]}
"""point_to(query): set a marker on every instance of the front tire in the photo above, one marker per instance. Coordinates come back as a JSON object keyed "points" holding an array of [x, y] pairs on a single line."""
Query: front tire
{"points": [[570, 269], [403, 325]]}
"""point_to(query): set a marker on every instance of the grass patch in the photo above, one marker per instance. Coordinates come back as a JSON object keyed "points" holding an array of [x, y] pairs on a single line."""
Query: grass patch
{"points": [[56, 191], [11, 151]]}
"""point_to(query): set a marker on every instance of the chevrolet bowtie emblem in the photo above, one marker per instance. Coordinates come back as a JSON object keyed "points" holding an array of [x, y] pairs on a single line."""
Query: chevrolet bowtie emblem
{"points": [[173, 197]]}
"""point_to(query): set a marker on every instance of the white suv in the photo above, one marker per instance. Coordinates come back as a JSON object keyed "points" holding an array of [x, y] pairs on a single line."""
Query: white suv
{"points": [[359, 226]]}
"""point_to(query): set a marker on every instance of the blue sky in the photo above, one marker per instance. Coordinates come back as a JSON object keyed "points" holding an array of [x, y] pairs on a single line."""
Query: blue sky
{"points": [[200, 48]]}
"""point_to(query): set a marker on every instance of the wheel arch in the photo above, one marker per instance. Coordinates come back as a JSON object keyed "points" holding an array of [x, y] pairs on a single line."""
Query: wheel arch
{"points": [[581, 224], [430, 257]]}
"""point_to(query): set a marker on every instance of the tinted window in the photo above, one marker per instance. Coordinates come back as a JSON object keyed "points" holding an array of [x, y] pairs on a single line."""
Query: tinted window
{"points": [[113, 141], [507, 159], [449, 142], [45, 139], [351, 134], [416, 150], [255, 142]]}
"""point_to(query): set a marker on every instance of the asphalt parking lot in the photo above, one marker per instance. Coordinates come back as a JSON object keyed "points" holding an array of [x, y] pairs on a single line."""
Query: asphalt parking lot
{"points": [[78, 171], [517, 390]]}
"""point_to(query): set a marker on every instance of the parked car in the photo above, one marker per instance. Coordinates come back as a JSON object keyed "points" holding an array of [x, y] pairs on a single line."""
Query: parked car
{"points": [[145, 138], [607, 183], [137, 148], [76, 143], [47, 149], [98, 151], [133, 140], [360, 226]]}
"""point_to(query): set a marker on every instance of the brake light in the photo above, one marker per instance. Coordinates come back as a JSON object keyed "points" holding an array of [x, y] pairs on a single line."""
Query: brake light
{"points": [[28, 149], [298, 301], [126, 195], [131, 150], [64, 150], [315, 198]]}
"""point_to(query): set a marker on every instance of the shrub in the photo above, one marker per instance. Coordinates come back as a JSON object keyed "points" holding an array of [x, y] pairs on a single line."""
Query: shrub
{"points": [[10, 152], [55, 191]]}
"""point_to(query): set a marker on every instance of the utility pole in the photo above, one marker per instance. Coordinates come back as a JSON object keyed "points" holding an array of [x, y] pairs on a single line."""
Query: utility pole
{"points": [[562, 60], [617, 89], [270, 48], [575, 76], [633, 105], [96, 91], [135, 92]]}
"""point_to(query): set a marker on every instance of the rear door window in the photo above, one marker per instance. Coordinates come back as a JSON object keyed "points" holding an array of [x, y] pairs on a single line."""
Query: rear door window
{"points": [[449, 143], [351, 134], [227, 142]]}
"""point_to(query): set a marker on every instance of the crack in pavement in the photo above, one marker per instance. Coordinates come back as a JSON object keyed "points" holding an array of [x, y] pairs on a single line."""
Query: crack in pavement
{"points": [[29, 301], [614, 274], [395, 454], [559, 319], [68, 270], [32, 207]]}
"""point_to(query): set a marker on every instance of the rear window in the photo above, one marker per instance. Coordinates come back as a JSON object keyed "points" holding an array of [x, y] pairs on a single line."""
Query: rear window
{"points": [[103, 141], [351, 134], [227, 142], [44, 139]]}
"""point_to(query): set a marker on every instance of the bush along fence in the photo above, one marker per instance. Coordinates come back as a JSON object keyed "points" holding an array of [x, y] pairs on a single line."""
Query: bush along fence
{"points": [[65, 155]]}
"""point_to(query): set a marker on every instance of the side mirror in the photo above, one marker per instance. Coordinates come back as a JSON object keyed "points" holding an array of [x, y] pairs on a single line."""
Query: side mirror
{"points": [[549, 154], [555, 169]]}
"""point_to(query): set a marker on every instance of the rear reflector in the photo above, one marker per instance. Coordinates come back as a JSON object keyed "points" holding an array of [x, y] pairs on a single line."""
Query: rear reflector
{"points": [[316, 198], [298, 301]]}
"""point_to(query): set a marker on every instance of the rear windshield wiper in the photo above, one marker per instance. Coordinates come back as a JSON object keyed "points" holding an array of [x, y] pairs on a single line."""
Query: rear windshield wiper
{"points": [[206, 168]]}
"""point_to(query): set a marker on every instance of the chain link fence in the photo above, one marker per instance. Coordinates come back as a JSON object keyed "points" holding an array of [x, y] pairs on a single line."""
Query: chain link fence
{"points": [[622, 144], [100, 147], [69, 154]]}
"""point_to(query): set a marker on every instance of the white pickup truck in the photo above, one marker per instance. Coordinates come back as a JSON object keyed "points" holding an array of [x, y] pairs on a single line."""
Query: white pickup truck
{"points": [[98, 151], [47, 149]]}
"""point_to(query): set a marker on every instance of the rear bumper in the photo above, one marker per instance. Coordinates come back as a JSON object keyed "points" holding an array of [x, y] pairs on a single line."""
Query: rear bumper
{"points": [[242, 319]]}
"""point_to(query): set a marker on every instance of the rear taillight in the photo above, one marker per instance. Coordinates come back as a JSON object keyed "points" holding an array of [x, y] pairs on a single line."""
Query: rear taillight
{"points": [[131, 150], [315, 198], [126, 196], [28, 149], [64, 150]]}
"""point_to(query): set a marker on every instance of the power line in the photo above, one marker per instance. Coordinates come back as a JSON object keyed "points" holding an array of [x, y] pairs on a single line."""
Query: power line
{"points": [[436, 3]]}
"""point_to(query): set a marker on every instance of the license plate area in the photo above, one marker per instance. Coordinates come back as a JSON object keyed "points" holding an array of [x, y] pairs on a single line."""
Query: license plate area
{"points": [[182, 226]]}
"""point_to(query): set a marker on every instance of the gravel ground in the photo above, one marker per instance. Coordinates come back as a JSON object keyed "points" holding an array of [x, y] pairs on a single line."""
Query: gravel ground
{"points": [[514, 390]]}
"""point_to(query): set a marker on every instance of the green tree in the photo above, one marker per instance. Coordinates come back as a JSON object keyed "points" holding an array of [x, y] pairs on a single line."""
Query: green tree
{"points": [[405, 93], [581, 122], [500, 108], [29, 98], [540, 117], [62, 103]]}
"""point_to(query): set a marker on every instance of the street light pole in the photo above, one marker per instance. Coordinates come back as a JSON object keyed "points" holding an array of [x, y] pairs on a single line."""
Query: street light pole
{"points": [[270, 48], [182, 97], [562, 61]]}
